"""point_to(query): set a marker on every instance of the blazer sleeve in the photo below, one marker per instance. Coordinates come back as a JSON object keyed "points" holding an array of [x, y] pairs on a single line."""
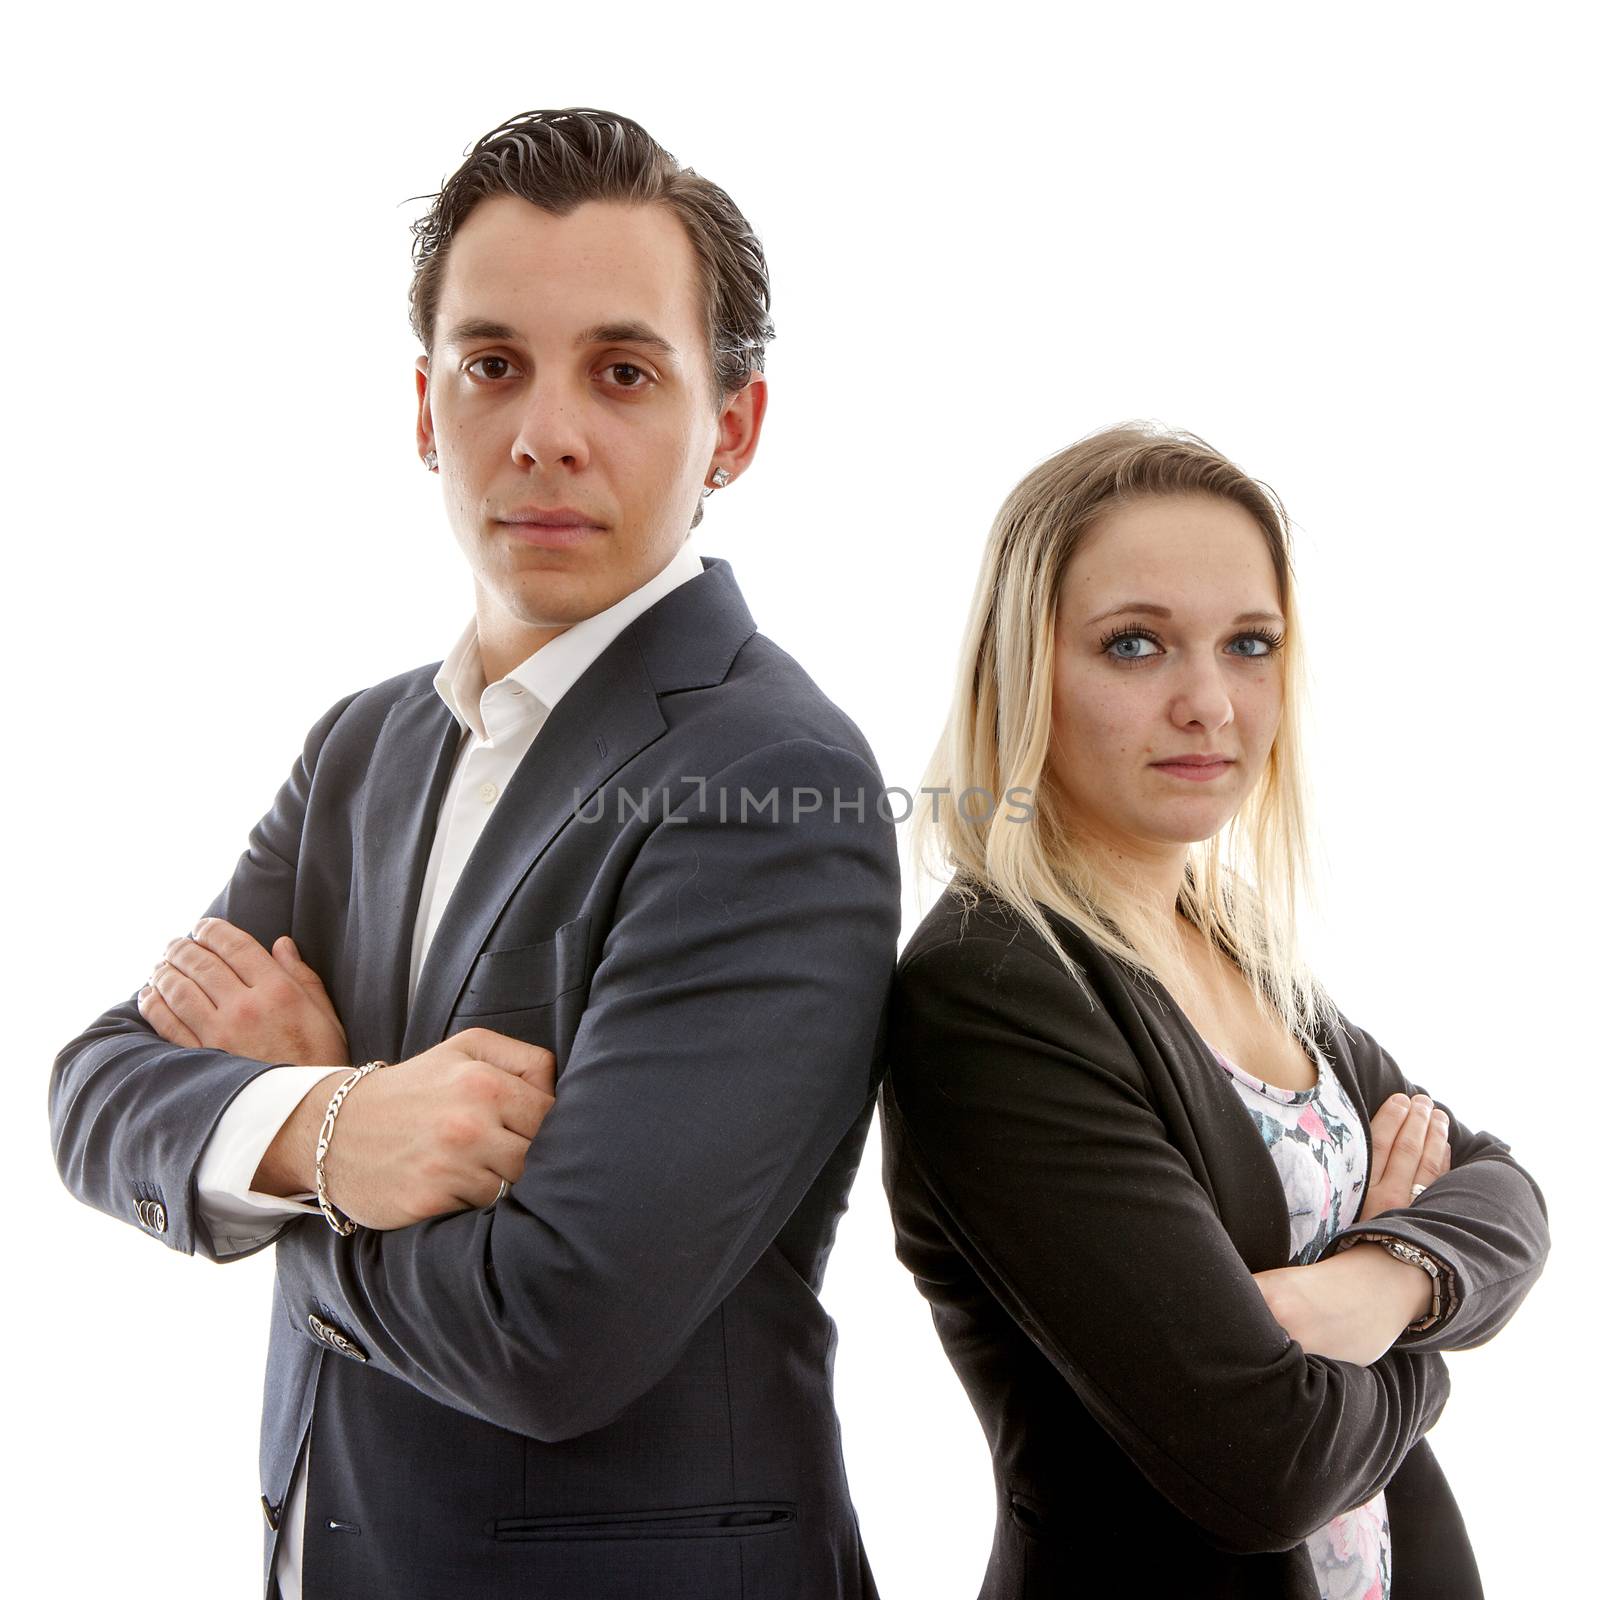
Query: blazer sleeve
{"points": [[1485, 1219], [130, 1114], [1028, 1121], [728, 1044]]}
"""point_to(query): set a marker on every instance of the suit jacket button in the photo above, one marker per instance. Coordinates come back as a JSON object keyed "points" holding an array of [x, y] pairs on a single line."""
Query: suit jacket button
{"points": [[151, 1214], [270, 1512]]}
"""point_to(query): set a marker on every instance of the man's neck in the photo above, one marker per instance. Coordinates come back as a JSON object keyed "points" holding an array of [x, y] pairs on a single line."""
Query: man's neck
{"points": [[500, 653]]}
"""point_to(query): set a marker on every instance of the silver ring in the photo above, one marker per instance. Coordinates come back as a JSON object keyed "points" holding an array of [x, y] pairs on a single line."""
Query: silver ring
{"points": [[1417, 1189], [504, 1189]]}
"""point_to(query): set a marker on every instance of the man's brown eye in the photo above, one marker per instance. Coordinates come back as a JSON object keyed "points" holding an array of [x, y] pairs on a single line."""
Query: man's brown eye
{"points": [[638, 374], [484, 361]]}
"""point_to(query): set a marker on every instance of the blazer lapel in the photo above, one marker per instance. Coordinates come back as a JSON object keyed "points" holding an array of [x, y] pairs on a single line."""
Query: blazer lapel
{"points": [[687, 640], [1201, 1109], [405, 784], [600, 724]]}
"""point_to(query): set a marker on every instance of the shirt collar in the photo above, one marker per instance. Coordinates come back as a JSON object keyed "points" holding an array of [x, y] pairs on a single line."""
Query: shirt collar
{"points": [[552, 669]]}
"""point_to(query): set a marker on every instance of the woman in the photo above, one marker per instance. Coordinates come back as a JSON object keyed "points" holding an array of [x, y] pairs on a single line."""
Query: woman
{"points": [[1192, 1241]]}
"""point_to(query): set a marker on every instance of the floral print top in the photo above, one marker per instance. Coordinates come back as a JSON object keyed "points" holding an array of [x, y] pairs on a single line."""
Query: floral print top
{"points": [[1317, 1144]]}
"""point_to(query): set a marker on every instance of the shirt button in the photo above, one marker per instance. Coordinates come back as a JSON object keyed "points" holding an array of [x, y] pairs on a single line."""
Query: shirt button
{"points": [[516, 688], [487, 793]]}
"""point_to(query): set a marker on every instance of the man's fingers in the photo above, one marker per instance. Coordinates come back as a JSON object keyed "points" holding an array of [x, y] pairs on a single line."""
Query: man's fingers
{"points": [[524, 1107], [287, 954], [505, 1154], [535, 1065], [160, 1016], [189, 1003], [212, 976], [245, 956]]}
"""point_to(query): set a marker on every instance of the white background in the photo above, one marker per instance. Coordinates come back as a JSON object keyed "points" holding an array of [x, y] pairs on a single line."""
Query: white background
{"points": [[1343, 244]]}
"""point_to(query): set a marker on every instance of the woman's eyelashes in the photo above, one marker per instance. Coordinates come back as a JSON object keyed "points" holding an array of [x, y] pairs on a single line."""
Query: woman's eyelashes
{"points": [[1268, 641]]}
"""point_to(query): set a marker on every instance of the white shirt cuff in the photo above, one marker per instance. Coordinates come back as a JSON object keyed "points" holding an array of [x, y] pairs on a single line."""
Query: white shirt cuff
{"points": [[237, 1216]]}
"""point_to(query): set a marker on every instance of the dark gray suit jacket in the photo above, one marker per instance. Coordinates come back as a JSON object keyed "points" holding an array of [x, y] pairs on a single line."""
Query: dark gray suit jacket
{"points": [[617, 1382]]}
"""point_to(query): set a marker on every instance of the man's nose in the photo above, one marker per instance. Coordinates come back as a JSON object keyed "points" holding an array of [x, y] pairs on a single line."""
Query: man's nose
{"points": [[550, 428]]}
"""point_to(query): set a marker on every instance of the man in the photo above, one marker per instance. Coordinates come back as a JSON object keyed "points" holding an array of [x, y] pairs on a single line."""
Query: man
{"points": [[612, 892]]}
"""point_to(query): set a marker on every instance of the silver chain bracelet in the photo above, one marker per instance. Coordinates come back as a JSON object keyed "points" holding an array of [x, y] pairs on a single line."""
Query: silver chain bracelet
{"points": [[340, 1225]]}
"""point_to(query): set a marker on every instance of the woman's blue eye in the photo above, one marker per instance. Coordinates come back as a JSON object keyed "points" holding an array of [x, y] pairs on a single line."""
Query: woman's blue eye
{"points": [[1133, 636], [1129, 655], [1268, 642]]}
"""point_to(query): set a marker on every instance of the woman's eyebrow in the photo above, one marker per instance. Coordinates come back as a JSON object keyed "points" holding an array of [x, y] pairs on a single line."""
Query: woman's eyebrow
{"points": [[1150, 608]]}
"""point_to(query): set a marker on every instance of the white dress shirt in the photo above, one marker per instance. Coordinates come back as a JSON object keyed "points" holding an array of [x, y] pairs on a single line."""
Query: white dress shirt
{"points": [[499, 723]]}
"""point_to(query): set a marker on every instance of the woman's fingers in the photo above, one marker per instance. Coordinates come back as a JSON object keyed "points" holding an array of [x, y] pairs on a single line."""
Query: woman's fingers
{"points": [[1388, 1121], [1400, 1133], [1435, 1149], [1406, 1155]]}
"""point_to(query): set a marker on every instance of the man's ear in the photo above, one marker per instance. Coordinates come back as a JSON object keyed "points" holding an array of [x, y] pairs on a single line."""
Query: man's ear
{"points": [[739, 427], [424, 414]]}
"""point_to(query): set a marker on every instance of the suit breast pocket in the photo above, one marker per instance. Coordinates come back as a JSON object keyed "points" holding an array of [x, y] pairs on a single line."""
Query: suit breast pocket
{"points": [[527, 977]]}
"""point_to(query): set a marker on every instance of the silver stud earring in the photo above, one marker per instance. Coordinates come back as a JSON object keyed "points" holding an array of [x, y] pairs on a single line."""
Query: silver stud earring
{"points": [[431, 461], [722, 477]]}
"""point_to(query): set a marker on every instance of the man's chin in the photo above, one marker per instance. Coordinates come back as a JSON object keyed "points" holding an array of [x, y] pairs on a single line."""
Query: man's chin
{"points": [[552, 599]]}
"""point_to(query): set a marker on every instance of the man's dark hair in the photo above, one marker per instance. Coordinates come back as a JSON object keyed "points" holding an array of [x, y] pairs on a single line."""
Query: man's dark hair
{"points": [[559, 159]]}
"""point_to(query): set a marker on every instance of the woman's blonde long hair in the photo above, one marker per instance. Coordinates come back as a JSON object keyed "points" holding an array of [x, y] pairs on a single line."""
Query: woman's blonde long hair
{"points": [[1242, 886]]}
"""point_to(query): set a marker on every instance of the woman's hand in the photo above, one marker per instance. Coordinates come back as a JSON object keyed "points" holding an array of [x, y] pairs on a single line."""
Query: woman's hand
{"points": [[1351, 1306], [1410, 1145]]}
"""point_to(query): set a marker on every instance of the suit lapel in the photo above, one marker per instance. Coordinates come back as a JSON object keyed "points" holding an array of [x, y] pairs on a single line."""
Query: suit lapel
{"points": [[688, 639], [599, 725], [406, 780]]}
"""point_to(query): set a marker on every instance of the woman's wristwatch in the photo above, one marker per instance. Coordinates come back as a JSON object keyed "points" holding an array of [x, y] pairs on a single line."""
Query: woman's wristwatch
{"points": [[1445, 1298]]}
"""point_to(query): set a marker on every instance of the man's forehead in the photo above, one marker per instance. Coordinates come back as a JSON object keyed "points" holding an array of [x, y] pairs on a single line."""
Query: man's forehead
{"points": [[602, 265]]}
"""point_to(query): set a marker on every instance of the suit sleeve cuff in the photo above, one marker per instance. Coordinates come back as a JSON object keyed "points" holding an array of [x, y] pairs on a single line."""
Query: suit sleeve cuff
{"points": [[241, 1218]]}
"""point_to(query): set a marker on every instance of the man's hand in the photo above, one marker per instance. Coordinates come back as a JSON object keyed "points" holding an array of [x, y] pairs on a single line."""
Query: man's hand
{"points": [[220, 989], [423, 1137]]}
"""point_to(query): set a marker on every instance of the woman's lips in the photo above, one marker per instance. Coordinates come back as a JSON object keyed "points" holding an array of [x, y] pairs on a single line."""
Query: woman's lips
{"points": [[550, 535], [1195, 772]]}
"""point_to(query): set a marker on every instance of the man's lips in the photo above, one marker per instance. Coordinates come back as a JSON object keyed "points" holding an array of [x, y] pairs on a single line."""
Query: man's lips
{"points": [[557, 529]]}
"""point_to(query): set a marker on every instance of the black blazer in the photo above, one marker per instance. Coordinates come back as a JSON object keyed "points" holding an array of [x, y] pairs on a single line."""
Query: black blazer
{"points": [[617, 1382], [1082, 1199]]}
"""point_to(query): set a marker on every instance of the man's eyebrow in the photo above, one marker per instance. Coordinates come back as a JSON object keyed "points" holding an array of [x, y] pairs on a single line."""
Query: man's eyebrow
{"points": [[480, 328], [1149, 608], [627, 332]]}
